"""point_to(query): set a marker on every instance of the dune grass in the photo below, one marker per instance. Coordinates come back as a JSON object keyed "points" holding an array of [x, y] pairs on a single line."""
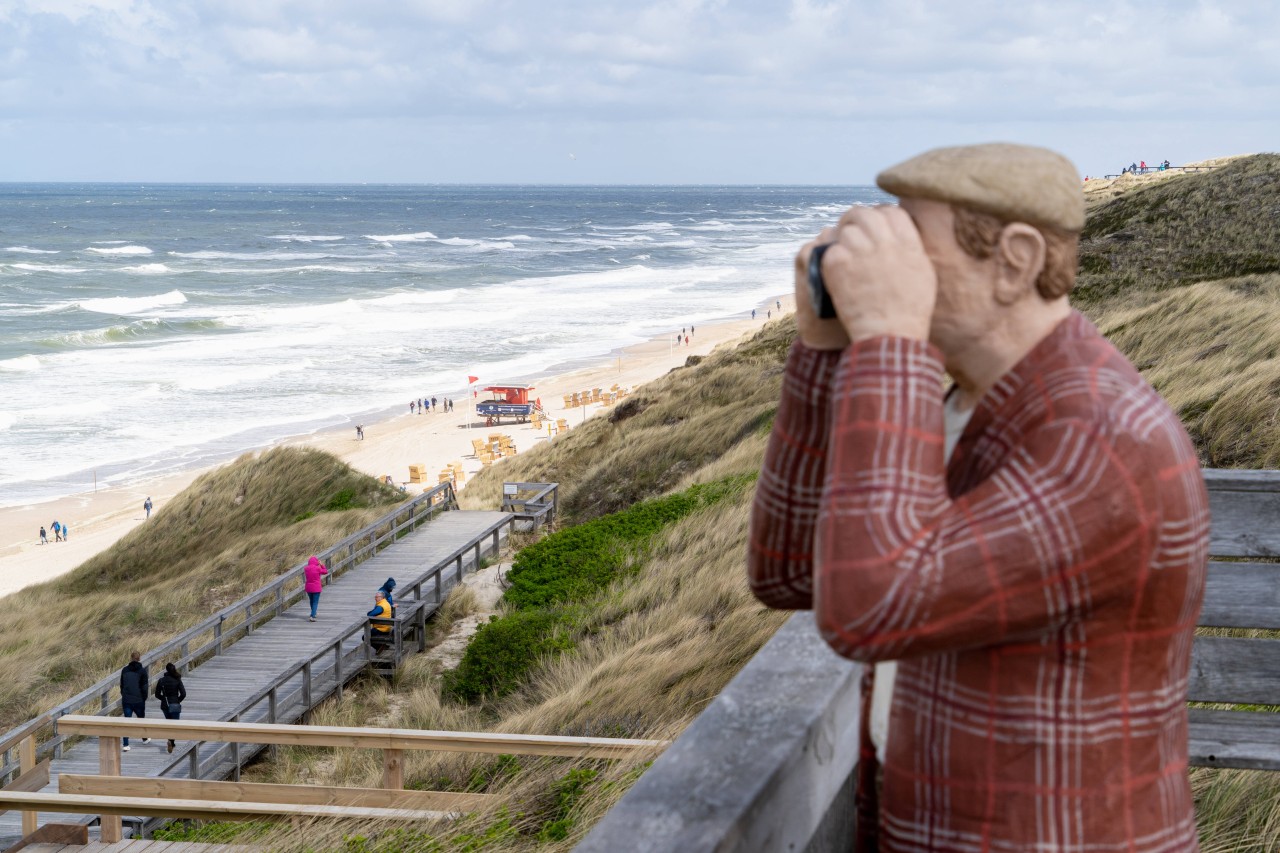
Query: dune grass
{"points": [[227, 534], [1200, 227]]}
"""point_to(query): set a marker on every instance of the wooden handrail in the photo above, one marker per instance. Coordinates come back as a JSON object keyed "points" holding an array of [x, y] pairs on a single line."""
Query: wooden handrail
{"points": [[199, 809], [360, 738], [265, 792]]}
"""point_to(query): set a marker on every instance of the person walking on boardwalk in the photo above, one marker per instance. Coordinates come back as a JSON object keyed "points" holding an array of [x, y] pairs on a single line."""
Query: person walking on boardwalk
{"points": [[147, 506], [171, 693], [133, 691], [380, 636], [313, 572]]}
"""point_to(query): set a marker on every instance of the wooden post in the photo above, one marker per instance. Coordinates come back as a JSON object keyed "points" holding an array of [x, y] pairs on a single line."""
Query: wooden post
{"points": [[337, 669], [109, 765], [27, 761], [393, 769]]}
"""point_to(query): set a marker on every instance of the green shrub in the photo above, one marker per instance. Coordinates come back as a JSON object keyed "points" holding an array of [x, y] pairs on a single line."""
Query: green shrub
{"points": [[574, 563], [502, 651], [549, 577]]}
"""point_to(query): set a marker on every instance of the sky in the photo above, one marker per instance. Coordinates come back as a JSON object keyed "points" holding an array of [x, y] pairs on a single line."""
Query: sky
{"points": [[618, 91]]}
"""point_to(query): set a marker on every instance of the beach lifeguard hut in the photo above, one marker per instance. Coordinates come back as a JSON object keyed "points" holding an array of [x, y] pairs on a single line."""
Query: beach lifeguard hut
{"points": [[510, 399]]}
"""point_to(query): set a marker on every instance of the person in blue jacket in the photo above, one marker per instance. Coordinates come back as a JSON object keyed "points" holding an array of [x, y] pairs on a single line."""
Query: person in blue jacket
{"points": [[386, 589]]}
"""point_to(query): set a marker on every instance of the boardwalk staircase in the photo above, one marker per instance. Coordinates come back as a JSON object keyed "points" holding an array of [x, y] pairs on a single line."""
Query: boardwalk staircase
{"points": [[261, 661]]}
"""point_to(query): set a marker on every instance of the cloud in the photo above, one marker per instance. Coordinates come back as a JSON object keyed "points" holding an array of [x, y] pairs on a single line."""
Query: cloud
{"points": [[744, 64]]}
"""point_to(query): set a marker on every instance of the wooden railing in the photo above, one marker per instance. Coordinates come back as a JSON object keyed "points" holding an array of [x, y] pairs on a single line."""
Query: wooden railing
{"points": [[1152, 170], [392, 742], [211, 636], [535, 503]]}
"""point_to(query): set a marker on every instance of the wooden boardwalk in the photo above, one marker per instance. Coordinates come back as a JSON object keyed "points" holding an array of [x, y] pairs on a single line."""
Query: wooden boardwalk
{"points": [[220, 688], [138, 846]]}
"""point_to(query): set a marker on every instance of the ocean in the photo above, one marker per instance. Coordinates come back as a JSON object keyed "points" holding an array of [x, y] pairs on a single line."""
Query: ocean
{"points": [[145, 329]]}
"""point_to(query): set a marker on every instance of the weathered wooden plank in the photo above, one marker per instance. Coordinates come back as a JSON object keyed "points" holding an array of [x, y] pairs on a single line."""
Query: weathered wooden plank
{"points": [[1242, 595], [1248, 740], [262, 792], [199, 809], [1243, 506], [1229, 669], [362, 738]]}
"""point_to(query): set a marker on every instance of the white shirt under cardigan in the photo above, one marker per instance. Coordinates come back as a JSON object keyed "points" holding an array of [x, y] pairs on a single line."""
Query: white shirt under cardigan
{"points": [[954, 420]]}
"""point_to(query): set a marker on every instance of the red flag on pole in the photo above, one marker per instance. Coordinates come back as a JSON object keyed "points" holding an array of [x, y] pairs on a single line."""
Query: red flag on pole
{"points": [[471, 379]]}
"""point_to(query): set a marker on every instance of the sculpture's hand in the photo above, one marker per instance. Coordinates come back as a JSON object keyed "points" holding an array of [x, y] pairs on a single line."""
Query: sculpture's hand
{"points": [[816, 333], [879, 277]]}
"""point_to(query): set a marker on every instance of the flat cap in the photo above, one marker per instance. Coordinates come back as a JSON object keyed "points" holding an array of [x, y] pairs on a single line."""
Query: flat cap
{"points": [[1015, 183]]}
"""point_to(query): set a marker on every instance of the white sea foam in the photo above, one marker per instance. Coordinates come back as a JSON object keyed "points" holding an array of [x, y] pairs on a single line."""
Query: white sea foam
{"points": [[133, 304], [27, 250], [482, 245], [7, 419], [21, 364], [210, 255], [120, 250], [306, 238], [147, 269], [53, 268], [419, 237]]}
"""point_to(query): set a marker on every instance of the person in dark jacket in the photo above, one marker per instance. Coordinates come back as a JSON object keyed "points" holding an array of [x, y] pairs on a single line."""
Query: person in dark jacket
{"points": [[133, 691], [171, 693], [386, 590]]}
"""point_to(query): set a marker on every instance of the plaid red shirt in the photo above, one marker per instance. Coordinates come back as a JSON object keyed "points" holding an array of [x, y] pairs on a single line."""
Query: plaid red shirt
{"points": [[1041, 591]]}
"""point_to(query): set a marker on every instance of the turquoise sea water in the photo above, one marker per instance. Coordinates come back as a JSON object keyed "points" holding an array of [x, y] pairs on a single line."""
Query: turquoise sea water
{"points": [[149, 328]]}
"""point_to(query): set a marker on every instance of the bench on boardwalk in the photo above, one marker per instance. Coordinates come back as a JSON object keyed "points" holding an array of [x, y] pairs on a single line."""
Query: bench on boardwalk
{"points": [[770, 763]]}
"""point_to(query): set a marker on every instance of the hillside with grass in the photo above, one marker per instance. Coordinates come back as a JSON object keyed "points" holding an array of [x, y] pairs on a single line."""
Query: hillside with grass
{"points": [[634, 613], [230, 532]]}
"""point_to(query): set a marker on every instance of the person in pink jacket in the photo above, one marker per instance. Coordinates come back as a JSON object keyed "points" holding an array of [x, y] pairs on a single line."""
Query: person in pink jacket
{"points": [[313, 571]]}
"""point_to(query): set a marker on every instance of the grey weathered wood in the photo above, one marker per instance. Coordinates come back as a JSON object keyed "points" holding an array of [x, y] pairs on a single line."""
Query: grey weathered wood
{"points": [[1226, 669], [1242, 595], [1244, 506], [1245, 739], [759, 768]]}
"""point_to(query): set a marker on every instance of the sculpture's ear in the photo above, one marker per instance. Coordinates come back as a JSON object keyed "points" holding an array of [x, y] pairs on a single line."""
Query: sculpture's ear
{"points": [[1020, 257]]}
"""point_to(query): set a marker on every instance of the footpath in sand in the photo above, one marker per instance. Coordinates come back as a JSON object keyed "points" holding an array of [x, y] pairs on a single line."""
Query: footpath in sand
{"points": [[98, 520]]}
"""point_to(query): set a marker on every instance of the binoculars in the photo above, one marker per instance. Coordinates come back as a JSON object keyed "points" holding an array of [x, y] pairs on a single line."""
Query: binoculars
{"points": [[819, 298]]}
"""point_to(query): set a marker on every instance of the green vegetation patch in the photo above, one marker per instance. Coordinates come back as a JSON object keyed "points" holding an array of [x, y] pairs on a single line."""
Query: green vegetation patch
{"points": [[550, 577], [573, 563]]}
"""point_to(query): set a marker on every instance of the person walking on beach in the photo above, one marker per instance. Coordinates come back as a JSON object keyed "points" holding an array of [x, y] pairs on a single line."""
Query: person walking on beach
{"points": [[44, 537], [66, 531], [57, 531], [433, 404], [171, 693], [359, 432], [753, 313], [313, 572], [133, 691], [147, 506]]}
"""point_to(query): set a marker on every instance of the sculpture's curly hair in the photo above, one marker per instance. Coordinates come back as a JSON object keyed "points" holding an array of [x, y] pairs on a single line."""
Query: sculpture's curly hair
{"points": [[979, 233]]}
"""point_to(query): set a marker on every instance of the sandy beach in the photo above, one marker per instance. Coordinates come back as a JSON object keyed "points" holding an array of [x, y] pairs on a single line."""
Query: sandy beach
{"points": [[99, 519]]}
